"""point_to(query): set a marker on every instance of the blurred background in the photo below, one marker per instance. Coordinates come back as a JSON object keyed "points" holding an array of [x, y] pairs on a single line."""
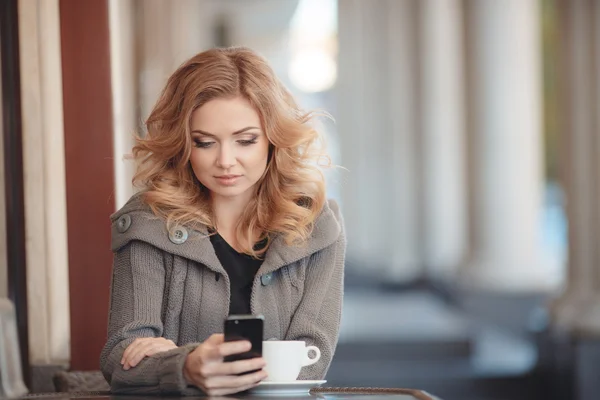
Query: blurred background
{"points": [[469, 136]]}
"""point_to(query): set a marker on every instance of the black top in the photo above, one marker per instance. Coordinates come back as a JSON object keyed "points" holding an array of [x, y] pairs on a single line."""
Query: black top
{"points": [[241, 269]]}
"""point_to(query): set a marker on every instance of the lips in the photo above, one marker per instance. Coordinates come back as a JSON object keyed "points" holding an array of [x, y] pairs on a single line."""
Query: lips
{"points": [[227, 180], [227, 176]]}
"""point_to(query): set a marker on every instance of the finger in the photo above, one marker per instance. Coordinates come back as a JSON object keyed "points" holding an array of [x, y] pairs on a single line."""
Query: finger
{"points": [[230, 348], [222, 385], [138, 354], [238, 367], [241, 389], [130, 349], [135, 347], [151, 348], [233, 381], [160, 348], [216, 353], [215, 339]]}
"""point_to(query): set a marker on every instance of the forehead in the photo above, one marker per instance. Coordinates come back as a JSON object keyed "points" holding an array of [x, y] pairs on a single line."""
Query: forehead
{"points": [[225, 115]]}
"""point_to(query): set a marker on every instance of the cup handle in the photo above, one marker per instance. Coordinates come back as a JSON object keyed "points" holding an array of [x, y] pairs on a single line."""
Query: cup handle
{"points": [[307, 359]]}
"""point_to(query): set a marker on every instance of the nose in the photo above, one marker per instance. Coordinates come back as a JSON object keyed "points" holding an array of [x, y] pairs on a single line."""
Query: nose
{"points": [[226, 157]]}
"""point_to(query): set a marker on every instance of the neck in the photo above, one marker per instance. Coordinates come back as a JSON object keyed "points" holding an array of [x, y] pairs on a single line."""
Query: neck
{"points": [[228, 211]]}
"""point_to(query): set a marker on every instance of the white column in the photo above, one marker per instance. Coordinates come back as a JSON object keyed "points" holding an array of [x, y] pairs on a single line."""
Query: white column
{"points": [[168, 33], [377, 130], [262, 25], [443, 145], [44, 176], [124, 94], [152, 40], [149, 40], [505, 75], [578, 309], [192, 26]]}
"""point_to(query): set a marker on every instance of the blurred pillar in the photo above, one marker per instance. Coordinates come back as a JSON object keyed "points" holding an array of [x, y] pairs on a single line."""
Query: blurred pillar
{"points": [[3, 238], [44, 181], [167, 33], [262, 25], [121, 14], [443, 138], [504, 53], [149, 39], [377, 121], [579, 307]]}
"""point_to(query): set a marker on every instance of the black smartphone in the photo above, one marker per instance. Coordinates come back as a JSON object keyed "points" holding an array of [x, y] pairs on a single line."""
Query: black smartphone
{"points": [[245, 327]]}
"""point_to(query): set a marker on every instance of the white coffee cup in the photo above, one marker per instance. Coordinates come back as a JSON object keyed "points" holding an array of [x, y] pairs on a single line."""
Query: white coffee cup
{"points": [[285, 359]]}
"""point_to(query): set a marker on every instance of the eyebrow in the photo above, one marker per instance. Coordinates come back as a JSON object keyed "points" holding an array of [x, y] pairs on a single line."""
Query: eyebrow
{"points": [[238, 132]]}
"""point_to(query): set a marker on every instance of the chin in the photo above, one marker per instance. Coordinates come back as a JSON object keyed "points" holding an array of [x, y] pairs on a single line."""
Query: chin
{"points": [[228, 191]]}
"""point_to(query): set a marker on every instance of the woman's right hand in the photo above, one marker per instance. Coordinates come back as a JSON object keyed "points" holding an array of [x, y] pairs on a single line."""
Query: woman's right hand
{"points": [[204, 367]]}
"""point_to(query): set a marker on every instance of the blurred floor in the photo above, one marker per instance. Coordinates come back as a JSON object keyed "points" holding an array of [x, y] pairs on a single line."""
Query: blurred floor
{"points": [[412, 338]]}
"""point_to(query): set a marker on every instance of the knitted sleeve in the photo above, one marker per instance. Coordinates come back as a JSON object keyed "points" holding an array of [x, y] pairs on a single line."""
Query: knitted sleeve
{"points": [[317, 318], [136, 298]]}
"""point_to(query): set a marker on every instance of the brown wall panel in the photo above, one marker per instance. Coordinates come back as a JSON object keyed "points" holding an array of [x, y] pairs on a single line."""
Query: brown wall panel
{"points": [[89, 172]]}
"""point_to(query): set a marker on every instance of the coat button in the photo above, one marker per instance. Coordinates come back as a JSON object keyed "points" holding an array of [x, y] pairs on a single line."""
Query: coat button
{"points": [[266, 279], [123, 223], [178, 235]]}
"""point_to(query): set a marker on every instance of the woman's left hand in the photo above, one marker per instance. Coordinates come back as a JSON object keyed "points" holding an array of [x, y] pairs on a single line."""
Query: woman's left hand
{"points": [[144, 347]]}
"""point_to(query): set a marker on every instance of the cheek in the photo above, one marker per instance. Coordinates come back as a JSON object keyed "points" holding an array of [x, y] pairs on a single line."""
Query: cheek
{"points": [[200, 163], [257, 160]]}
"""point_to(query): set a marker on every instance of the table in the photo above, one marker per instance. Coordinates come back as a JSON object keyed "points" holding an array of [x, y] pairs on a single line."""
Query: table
{"points": [[315, 394]]}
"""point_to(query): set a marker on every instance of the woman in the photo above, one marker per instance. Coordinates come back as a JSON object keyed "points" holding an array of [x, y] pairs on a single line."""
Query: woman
{"points": [[232, 218]]}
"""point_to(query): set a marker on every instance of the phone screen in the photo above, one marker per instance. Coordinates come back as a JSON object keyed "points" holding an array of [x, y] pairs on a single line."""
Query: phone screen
{"points": [[245, 327]]}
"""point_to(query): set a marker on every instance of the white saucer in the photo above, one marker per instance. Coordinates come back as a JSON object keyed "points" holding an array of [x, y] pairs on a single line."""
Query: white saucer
{"points": [[285, 388]]}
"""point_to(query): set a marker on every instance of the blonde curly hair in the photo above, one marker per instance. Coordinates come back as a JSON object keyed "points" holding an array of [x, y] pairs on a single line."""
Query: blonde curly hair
{"points": [[291, 193]]}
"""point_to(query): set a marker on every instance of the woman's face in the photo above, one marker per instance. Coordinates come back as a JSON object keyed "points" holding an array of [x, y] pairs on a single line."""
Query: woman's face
{"points": [[230, 150]]}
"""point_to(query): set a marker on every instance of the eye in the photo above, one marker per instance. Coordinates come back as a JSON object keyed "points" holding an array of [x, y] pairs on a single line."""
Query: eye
{"points": [[247, 142], [202, 144]]}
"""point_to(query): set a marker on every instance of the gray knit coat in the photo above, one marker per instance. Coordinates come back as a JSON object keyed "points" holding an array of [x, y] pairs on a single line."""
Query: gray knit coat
{"points": [[171, 284]]}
